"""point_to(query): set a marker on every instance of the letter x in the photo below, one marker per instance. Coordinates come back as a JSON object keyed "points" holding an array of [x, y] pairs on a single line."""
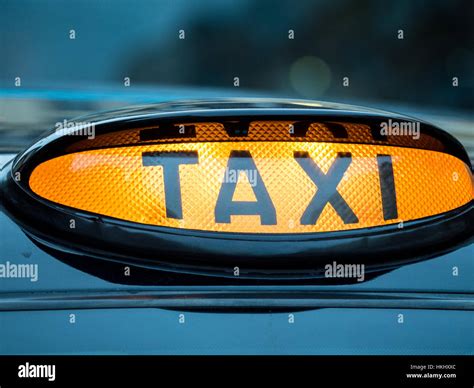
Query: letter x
{"points": [[327, 188]]}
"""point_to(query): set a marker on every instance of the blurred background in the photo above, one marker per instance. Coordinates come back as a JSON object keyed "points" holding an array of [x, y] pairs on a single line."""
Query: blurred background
{"points": [[60, 59]]}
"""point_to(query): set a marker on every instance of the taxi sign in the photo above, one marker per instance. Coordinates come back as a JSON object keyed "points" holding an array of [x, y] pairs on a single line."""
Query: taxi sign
{"points": [[276, 188], [257, 187]]}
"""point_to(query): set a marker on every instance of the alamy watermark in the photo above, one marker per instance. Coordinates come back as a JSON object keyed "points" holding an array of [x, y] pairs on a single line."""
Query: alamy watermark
{"points": [[400, 128], [75, 128], [237, 175], [19, 271], [335, 270], [30, 371]]}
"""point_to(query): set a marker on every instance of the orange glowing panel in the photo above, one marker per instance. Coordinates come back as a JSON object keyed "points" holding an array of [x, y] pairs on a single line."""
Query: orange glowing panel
{"points": [[258, 186]]}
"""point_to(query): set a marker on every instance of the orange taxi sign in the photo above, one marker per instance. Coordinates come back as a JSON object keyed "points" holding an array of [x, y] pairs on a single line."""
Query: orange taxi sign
{"points": [[257, 186]]}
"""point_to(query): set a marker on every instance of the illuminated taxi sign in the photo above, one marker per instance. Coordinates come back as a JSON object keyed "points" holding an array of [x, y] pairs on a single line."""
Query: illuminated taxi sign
{"points": [[277, 190], [257, 187]]}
